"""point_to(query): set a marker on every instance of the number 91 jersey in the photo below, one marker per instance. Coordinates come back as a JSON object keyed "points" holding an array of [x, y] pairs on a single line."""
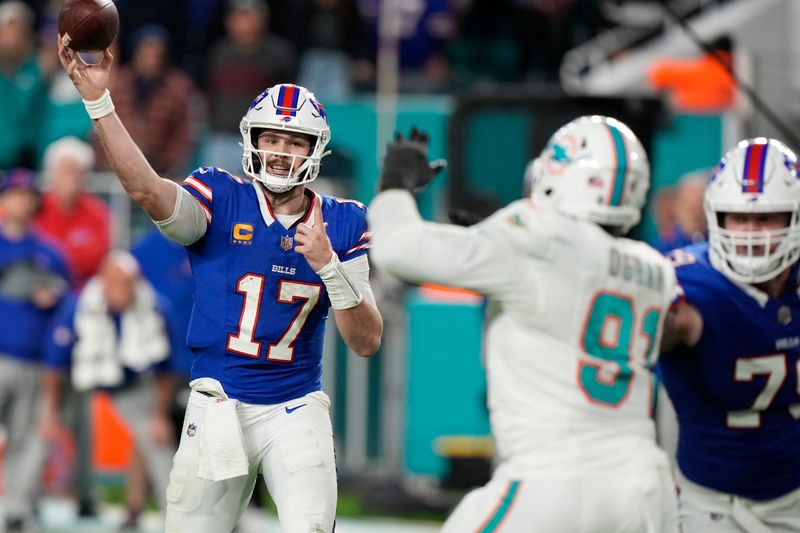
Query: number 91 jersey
{"points": [[569, 360], [259, 313]]}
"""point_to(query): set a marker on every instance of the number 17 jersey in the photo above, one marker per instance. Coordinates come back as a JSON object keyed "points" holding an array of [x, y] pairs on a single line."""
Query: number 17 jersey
{"points": [[259, 312]]}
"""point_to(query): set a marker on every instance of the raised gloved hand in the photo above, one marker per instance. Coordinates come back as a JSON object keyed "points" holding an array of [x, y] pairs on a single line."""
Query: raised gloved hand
{"points": [[406, 165]]}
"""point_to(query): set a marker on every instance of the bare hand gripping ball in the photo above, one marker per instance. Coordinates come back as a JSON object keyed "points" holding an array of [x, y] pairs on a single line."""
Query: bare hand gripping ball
{"points": [[88, 25]]}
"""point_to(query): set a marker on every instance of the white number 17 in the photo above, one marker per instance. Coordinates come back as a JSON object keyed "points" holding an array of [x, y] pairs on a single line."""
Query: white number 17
{"points": [[251, 287]]}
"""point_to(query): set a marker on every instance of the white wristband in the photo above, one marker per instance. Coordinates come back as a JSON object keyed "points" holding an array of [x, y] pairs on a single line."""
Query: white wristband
{"points": [[341, 290], [101, 107]]}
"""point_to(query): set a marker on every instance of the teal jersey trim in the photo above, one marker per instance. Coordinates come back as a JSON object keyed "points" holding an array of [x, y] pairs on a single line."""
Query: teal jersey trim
{"points": [[502, 510], [622, 166]]}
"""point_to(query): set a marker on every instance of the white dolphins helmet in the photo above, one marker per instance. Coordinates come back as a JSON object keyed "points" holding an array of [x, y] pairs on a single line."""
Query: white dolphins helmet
{"points": [[758, 176], [288, 108], [594, 168]]}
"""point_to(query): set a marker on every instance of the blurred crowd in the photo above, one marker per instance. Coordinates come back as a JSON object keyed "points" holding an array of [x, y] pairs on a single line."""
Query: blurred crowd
{"points": [[186, 69]]}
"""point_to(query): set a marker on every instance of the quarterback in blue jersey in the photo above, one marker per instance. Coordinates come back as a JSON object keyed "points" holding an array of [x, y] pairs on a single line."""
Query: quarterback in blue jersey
{"points": [[732, 361], [269, 258]]}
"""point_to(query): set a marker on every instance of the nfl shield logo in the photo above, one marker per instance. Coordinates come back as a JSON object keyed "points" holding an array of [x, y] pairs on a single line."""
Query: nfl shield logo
{"points": [[784, 315], [286, 242]]}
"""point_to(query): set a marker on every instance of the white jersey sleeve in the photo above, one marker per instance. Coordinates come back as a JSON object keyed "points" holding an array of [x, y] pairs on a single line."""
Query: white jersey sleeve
{"points": [[477, 258]]}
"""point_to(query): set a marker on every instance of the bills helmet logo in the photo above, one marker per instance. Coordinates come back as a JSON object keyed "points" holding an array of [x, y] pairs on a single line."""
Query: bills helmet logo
{"points": [[318, 107]]}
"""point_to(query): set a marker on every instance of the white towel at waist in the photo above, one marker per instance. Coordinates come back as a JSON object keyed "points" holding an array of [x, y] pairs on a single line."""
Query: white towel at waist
{"points": [[222, 453]]}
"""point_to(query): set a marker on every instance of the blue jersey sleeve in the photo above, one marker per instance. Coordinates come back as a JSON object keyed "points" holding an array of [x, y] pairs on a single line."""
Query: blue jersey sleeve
{"points": [[698, 282], [60, 337], [352, 236], [206, 182]]}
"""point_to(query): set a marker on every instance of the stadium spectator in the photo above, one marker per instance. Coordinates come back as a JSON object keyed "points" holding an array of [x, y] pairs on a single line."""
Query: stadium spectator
{"points": [[425, 28], [334, 49], [76, 218], [80, 223], [33, 278], [165, 264], [23, 86], [173, 16], [688, 218], [113, 335], [246, 60], [157, 102]]}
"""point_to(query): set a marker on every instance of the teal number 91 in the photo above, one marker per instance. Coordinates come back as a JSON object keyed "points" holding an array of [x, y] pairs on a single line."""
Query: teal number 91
{"points": [[600, 341]]}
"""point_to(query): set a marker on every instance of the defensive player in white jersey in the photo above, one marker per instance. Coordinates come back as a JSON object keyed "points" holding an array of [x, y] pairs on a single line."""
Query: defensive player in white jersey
{"points": [[569, 356], [732, 349], [269, 258]]}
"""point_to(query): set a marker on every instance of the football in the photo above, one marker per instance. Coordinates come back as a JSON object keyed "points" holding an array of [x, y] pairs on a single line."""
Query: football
{"points": [[88, 25]]}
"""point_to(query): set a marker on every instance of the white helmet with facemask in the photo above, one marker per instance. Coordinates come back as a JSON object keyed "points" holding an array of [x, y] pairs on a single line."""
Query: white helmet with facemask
{"points": [[284, 108], [593, 168], [758, 176]]}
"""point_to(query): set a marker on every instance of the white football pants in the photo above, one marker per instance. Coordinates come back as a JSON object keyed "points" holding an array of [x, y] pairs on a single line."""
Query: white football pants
{"points": [[638, 500], [710, 511], [291, 444]]}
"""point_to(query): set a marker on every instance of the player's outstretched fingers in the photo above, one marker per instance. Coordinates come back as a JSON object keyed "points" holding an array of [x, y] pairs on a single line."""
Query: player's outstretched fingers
{"points": [[108, 57], [319, 221]]}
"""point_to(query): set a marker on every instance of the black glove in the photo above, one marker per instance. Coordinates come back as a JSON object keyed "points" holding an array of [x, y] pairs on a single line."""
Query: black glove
{"points": [[462, 217], [406, 166]]}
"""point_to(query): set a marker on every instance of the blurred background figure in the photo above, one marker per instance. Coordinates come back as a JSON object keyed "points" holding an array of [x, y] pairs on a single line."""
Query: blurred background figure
{"points": [[544, 28], [425, 28], [78, 219], [22, 86], [701, 84], [334, 49], [33, 278], [157, 102], [249, 58], [113, 335], [80, 222], [165, 264], [687, 223]]}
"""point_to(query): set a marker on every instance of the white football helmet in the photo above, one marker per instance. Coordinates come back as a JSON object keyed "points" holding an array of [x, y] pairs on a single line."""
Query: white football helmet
{"points": [[594, 168], [289, 108], [758, 176]]}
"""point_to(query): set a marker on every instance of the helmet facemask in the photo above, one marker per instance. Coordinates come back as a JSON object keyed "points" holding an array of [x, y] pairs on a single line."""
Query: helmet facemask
{"points": [[756, 256], [284, 109], [301, 168], [758, 176]]}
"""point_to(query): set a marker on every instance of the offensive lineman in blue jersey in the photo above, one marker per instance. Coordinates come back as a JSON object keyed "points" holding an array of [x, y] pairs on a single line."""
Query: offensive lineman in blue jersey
{"points": [[269, 257], [732, 361]]}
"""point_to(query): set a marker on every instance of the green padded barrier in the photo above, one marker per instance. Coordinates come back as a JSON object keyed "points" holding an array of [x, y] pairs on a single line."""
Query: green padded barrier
{"points": [[446, 382]]}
